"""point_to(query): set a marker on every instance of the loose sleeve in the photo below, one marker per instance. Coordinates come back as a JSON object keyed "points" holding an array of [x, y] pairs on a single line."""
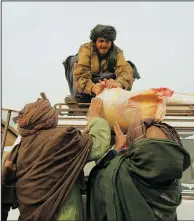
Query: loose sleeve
{"points": [[82, 71], [101, 136], [124, 72]]}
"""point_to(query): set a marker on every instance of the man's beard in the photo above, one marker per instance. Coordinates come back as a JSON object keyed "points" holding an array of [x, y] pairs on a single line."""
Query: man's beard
{"points": [[102, 55]]}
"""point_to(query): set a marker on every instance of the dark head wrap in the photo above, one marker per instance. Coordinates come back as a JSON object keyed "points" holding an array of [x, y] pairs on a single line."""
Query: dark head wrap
{"points": [[36, 116], [103, 31], [109, 33], [139, 130]]}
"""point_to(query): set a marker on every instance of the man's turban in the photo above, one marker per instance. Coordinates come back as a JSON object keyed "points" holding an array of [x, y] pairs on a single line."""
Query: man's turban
{"points": [[103, 31], [36, 116]]}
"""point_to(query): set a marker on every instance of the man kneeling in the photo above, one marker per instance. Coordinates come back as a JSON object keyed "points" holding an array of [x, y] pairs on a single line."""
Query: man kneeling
{"points": [[98, 60]]}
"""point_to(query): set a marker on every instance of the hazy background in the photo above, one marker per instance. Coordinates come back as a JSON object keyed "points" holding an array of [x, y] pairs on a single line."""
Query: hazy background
{"points": [[37, 36]]}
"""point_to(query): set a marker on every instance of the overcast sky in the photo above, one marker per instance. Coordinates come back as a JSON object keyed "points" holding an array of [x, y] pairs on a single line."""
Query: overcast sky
{"points": [[37, 36]]}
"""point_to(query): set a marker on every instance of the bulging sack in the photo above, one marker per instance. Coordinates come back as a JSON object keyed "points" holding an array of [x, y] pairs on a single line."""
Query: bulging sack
{"points": [[127, 107]]}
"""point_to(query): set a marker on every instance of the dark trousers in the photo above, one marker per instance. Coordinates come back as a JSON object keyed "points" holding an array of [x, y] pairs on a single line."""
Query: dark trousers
{"points": [[81, 97]]}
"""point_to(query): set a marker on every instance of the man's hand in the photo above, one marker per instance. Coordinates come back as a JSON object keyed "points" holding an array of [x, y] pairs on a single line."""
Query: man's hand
{"points": [[94, 111], [111, 83], [95, 108], [98, 88], [120, 138]]}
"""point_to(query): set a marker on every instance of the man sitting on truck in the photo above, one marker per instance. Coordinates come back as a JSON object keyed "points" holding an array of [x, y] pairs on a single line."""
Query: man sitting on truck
{"points": [[98, 60]]}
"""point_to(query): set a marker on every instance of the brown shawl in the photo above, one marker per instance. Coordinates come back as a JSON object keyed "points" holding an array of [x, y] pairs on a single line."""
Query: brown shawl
{"points": [[39, 172]]}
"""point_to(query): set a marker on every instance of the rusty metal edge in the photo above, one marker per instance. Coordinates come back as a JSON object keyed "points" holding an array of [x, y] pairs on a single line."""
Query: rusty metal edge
{"points": [[5, 132], [13, 130], [6, 109]]}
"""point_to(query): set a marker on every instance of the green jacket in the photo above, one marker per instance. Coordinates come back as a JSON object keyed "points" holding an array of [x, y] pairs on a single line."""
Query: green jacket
{"points": [[88, 63], [101, 134], [141, 185]]}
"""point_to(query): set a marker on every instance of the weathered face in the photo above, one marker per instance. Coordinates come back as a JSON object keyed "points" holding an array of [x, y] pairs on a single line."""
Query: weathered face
{"points": [[103, 45]]}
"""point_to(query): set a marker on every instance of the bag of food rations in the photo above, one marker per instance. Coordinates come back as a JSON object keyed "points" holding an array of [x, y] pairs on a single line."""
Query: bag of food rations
{"points": [[126, 107]]}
